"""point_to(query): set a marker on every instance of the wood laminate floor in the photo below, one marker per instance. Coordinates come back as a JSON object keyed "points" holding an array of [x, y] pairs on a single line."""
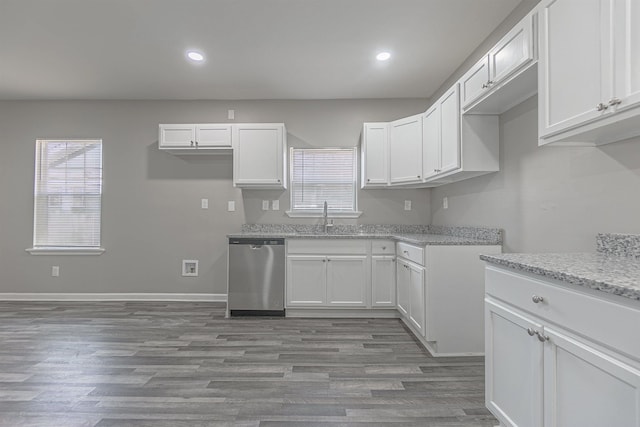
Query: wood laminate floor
{"points": [[183, 364]]}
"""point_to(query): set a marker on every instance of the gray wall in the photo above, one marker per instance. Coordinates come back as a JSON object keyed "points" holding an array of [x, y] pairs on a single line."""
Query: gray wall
{"points": [[548, 199], [151, 202]]}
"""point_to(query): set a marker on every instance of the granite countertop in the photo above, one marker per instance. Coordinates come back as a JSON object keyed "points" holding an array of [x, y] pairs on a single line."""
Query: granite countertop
{"points": [[417, 235], [614, 268]]}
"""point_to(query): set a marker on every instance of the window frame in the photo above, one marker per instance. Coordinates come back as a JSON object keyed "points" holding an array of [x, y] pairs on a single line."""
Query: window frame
{"points": [[38, 168], [318, 213]]}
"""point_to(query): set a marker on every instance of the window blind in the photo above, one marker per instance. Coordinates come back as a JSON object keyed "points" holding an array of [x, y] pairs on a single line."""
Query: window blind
{"points": [[323, 174], [68, 193]]}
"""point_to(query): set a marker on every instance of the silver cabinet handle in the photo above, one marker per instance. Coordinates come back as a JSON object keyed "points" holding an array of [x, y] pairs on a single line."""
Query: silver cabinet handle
{"points": [[615, 101], [368, 179], [192, 143], [324, 260], [405, 252], [531, 332], [542, 337], [485, 85], [536, 299], [490, 82], [601, 107], [196, 144]]}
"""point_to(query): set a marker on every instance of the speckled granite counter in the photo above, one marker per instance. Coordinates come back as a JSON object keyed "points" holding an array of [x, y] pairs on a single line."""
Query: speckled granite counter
{"points": [[614, 268], [415, 234]]}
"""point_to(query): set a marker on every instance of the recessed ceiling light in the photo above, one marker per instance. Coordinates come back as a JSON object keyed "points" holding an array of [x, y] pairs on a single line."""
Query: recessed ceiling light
{"points": [[383, 56], [195, 56]]}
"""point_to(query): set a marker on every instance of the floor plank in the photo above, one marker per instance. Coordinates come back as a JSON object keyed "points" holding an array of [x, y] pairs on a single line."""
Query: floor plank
{"points": [[180, 364]]}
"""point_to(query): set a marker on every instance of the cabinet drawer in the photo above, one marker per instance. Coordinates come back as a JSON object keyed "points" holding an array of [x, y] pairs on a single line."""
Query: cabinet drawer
{"points": [[326, 246], [383, 247], [410, 252], [601, 320]]}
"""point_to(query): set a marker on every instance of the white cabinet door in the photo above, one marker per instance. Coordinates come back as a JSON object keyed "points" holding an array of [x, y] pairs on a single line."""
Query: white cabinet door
{"points": [[513, 367], [512, 52], [576, 62], [306, 280], [584, 387], [416, 298], [405, 150], [347, 280], [258, 155], [475, 82], [403, 284], [375, 155], [627, 54], [213, 135], [177, 136], [383, 281], [431, 142], [450, 130]]}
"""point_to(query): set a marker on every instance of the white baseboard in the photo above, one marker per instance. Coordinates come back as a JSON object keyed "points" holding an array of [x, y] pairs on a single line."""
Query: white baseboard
{"points": [[16, 296]]}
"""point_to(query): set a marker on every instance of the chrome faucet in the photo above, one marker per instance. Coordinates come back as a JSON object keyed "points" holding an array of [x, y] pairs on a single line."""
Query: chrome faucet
{"points": [[326, 224]]}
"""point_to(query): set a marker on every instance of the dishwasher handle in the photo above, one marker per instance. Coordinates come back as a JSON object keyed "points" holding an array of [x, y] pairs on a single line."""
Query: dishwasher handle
{"points": [[256, 247]]}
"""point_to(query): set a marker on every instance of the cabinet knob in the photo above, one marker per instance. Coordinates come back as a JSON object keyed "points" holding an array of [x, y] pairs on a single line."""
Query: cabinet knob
{"points": [[324, 260], [615, 101], [531, 332], [485, 85], [196, 144], [490, 82], [601, 107], [536, 299], [542, 337], [278, 180], [368, 179], [192, 143], [384, 247]]}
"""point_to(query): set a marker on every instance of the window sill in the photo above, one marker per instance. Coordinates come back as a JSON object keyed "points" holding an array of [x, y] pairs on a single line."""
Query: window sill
{"points": [[316, 214], [66, 251]]}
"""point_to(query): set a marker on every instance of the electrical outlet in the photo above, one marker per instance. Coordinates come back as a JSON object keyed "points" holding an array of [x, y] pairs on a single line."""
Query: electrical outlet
{"points": [[265, 205], [445, 203], [205, 203], [190, 267], [275, 205], [407, 205], [55, 271], [231, 206], [231, 114]]}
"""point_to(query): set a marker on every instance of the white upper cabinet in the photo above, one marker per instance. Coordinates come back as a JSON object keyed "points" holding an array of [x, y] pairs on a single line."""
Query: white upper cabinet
{"points": [[441, 135], [589, 72], [405, 150], [259, 152], [213, 135], [431, 141], [505, 76], [195, 138], [375, 155]]}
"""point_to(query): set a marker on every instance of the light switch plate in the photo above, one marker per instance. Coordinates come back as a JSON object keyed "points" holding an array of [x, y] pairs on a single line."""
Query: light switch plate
{"points": [[275, 205], [205, 203], [445, 203], [55, 271], [265, 205], [231, 206], [231, 114], [407, 205]]}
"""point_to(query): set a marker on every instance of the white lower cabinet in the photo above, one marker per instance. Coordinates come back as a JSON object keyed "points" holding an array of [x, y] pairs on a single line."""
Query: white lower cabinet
{"points": [[410, 288], [568, 360], [327, 273], [383, 279], [346, 281], [403, 284]]}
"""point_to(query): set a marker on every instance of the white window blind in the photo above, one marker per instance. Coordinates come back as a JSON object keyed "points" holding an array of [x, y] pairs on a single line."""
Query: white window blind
{"points": [[323, 174], [68, 193]]}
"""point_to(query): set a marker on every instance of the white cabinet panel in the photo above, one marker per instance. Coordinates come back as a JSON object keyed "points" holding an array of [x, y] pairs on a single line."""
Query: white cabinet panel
{"points": [[513, 367], [346, 281], [403, 285], [258, 155], [416, 298], [450, 131], [431, 141], [179, 135], [627, 53], [213, 135], [375, 155], [512, 52], [383, 281], [475, 81], [584, 387], [405, 150], [575, 62], [306, 280]]}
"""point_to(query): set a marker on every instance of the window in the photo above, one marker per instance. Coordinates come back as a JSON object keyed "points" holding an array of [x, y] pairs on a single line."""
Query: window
{"points": [[323, 174], [67, 196]]}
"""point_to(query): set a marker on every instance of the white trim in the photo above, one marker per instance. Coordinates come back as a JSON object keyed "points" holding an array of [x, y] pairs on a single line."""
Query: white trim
{"points": [[328, 313], [36, 296], [319, 214], [65, 251]]}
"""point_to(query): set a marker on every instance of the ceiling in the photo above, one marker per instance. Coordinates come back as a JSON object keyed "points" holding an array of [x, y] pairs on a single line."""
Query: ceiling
{"points": [[255, 49]]}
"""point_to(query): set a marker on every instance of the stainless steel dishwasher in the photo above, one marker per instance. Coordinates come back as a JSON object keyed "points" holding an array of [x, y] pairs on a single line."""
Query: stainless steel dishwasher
{"points": [[256, 277]]}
